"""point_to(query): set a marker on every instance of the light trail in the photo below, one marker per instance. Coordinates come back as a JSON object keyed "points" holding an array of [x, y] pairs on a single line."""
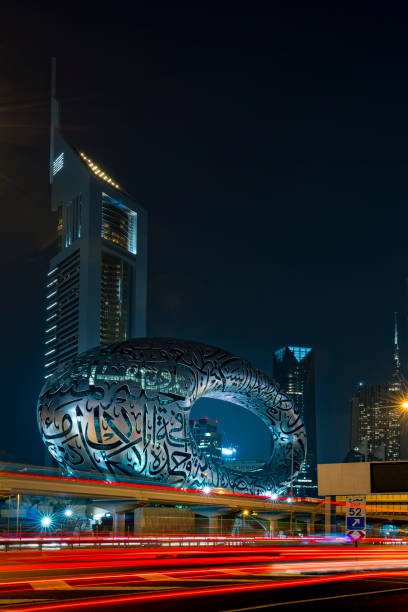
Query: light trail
{"points": [[289, 562], [197, 592], [254, 569], [76, 561]]}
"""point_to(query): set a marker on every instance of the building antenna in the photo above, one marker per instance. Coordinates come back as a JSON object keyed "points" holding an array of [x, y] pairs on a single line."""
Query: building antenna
{"points": [[54, 123], [396, 355]]}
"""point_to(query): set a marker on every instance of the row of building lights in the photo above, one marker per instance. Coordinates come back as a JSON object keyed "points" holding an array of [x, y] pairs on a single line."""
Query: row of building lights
{"points": [[272, 496], [98, 171]]}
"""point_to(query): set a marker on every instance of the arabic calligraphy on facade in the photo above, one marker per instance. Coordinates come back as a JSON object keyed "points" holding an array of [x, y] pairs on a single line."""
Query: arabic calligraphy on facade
{"points": [[123, 410]]}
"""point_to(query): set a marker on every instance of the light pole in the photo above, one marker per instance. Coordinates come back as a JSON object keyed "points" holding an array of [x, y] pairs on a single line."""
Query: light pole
{"points": [[291, 469], [18, 515], [291, 487]]}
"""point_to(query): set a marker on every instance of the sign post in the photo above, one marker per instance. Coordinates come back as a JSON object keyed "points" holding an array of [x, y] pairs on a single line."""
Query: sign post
{"points": [[356, 517]]}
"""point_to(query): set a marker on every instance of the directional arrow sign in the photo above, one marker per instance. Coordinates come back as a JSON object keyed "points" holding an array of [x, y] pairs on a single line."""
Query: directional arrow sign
{"points": [[355, 516], [355, 522]]}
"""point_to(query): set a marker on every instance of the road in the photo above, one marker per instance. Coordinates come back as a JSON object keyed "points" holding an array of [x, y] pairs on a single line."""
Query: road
{"points": [[221, 579]]}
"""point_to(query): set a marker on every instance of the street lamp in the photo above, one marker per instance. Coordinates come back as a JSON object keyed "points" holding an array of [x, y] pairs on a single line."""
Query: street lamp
{"points": [[46, 522]]}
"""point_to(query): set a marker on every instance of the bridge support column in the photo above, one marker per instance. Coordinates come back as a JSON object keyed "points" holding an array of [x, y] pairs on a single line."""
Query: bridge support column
{"points": [[311, 524], [273, 527], [164, 520], [214, 524], [118, 523], [330, 514], [220, 519]]}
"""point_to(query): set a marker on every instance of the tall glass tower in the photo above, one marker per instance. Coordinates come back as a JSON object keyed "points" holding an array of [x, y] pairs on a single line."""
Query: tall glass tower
{"points": [[293, 368], [96, 284], [378, 421]]}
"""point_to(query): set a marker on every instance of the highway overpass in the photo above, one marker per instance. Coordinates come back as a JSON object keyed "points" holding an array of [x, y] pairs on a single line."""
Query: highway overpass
{"points": [[122, 496]]}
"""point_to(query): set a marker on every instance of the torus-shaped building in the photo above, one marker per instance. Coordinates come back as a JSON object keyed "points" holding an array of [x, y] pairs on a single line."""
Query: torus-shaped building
{"points": [[123, 411]]}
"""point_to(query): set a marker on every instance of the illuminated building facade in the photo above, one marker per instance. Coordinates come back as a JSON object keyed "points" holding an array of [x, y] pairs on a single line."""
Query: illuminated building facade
{"points": [[124, 410], [294, 370], [376, 422], [96, 283], [207, 437]]}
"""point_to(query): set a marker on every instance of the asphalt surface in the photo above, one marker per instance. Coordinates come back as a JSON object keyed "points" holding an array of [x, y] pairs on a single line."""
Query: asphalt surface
{"points": [[318, 578]]}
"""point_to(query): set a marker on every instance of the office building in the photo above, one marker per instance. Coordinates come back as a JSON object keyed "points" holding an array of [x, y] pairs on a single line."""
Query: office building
{"points": [[376, 422], [377, 416], [96, 284], [293, 368], [207, 437]]}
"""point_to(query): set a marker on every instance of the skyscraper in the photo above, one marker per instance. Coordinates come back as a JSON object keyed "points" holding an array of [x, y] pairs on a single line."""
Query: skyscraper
{"points": [[293, 368], [96, 284], [377, 422]]}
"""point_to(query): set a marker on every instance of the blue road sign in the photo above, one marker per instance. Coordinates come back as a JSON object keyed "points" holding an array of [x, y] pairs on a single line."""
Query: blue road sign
{"points": [[355, 522]]}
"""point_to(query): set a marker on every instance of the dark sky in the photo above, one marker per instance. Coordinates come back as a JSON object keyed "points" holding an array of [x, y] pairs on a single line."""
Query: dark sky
{"points": [[270, 149]]}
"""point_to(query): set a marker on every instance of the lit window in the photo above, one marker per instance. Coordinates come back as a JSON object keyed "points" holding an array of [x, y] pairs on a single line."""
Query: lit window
{"points": [[58, 164], [119, 224]]}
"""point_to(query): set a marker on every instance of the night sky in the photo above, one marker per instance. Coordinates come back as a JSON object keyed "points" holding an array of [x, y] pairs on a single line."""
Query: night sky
{"points": [[270, 149]]}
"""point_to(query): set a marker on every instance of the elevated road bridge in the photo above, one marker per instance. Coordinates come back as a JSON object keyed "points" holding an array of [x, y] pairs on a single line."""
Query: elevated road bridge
{"points": [[120, 496], [30, 480]]}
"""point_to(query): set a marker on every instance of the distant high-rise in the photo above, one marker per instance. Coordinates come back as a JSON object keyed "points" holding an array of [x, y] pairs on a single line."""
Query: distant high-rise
{"points": [[293, 368], [396, 370], [207, 437], [377, 422], [96, 284]]}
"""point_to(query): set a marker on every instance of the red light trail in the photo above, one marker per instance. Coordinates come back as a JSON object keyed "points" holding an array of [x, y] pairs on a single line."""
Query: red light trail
{"points": [[200, 592], [177, 572]]}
